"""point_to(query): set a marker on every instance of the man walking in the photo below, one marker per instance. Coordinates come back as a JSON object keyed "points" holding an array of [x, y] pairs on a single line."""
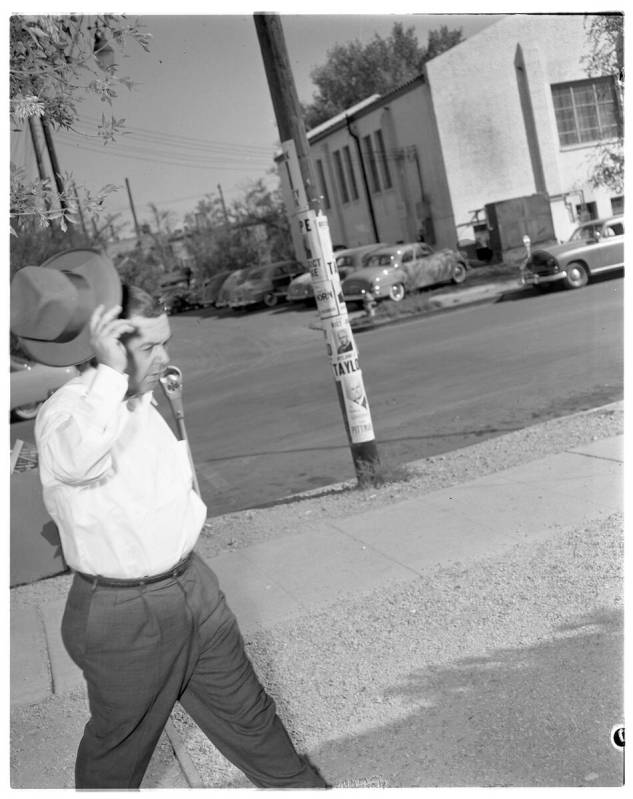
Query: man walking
{"points": [[145, 618]]}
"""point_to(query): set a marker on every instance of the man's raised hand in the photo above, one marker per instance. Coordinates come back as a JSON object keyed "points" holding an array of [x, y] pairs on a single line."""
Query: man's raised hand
{"points": [[105, 336]]}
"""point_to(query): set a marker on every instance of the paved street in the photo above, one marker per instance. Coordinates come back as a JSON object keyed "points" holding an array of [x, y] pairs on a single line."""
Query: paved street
{"points": [[494, 368]]}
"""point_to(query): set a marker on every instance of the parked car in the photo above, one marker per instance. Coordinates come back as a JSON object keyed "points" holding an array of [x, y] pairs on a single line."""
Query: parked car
{"points": [[176, 293], [232, 279], [266, 284], [594, 247], [32, 384], [347, 261], [211, 288], [394, 271]]}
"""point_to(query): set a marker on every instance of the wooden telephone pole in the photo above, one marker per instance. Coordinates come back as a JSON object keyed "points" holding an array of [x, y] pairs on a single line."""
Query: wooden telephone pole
{"points": [[318, 257]]}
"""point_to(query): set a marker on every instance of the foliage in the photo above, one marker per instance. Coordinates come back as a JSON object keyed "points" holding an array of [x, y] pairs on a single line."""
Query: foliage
{"points": [[251, 229], [607, 167], [605, 35], [41, 200], [33, 243], [354, 71], [54, 62], [140, 268]]}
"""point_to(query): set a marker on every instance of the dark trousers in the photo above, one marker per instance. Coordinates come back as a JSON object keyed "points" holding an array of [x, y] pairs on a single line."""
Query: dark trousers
{"points": [[142, 649]]}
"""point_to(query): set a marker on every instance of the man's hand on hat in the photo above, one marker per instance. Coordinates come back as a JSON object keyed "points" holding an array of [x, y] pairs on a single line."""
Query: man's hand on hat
{"points": [[105, 336]]}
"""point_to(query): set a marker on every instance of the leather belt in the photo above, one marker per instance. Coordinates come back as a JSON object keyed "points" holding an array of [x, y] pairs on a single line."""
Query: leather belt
{"points": [[115, 582]]}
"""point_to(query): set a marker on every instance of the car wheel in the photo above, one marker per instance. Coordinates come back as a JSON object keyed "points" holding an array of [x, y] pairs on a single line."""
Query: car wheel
{"points": [[270, 300], [459, 273], [396, 292], [577, 275], [26, 412]]}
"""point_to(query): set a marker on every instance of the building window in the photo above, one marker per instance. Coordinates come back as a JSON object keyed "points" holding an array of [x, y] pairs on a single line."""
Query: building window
{"points": [[617, 206], [586, 111], [382, 159], [371, 160], [350, 173], [341, 175], [586, 211], [322, 182]]}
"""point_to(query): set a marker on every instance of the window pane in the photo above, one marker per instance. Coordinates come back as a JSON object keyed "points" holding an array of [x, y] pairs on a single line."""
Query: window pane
{"points": [[586, 111], [604, 93], [324, 191], [382, 158], [341, 177], [350, 172], [373, 170]]}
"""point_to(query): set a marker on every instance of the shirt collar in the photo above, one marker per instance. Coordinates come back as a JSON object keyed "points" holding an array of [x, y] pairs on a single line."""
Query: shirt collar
{"points": [[140, 401]]}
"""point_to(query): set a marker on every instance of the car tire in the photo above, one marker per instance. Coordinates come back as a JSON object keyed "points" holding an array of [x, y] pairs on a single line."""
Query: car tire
{"points": [[27, 412], [459, 273], [577, 275], [397, 292], [270, 300]]}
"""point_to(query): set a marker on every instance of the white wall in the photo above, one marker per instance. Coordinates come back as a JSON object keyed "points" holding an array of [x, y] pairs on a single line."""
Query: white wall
{"points": [[481, 123]]}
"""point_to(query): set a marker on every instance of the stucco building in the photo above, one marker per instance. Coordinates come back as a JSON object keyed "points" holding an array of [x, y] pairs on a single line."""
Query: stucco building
{"points": [[510, 112]]}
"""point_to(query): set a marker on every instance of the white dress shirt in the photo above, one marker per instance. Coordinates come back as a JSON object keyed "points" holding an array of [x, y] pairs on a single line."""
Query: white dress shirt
{"points": [[115, 479]]}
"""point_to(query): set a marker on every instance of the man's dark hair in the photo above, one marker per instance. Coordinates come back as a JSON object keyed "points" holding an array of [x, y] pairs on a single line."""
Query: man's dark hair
{"points": [[137, 302], [134, 302]]}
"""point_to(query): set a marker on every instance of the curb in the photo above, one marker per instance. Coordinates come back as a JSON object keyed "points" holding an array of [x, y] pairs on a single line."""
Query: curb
{"points": [[360, 324], [352, 483]]}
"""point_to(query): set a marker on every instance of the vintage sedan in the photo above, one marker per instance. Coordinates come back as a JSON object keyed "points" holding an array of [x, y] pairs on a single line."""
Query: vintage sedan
{"points": [[347, 261], [267, 284], [593, 248], [211, 288], [392, 272], [229, 283], [32, 383]]}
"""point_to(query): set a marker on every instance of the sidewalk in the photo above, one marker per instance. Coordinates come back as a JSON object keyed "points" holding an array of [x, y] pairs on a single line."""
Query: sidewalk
{"points": [[286, 578]]}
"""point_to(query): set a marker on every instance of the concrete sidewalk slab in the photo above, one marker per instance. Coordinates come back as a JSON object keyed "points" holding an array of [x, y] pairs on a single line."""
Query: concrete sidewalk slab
{"points": [[30, 677], [65, 675], [320, 564], [612, 448], [493, 512], [255, 598]]}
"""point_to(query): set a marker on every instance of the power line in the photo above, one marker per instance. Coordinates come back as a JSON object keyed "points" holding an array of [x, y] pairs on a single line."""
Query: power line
{"points": [[142, 154], [189, 142]]}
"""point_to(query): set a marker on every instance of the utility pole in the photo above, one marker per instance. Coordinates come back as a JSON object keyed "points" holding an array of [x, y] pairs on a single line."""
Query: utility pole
{"points": [[39, 146], [81, 212], [136, 227], [224, 211], [319, 257], [52, 154]]}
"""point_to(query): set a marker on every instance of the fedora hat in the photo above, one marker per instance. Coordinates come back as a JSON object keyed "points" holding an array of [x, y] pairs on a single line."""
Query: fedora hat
{"points": [[51, 304]]}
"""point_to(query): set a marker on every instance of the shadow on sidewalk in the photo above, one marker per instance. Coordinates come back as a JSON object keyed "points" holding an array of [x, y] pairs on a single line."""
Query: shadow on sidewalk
{"points": [[539, 716]]}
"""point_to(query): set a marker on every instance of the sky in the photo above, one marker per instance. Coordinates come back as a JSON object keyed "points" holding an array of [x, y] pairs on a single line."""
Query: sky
{"points": [[200, 116]]}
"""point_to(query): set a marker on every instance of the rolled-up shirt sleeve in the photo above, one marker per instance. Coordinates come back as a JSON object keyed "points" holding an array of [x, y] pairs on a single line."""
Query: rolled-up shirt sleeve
{"points": [[76, 428]]}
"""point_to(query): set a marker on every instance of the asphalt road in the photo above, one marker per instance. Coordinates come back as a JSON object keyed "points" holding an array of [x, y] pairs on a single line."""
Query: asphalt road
{"points": [[273, 427], [263, 417]]}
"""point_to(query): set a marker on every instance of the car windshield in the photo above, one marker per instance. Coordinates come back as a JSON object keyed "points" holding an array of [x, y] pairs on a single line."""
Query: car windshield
{"points": [[344, 260], [255, 273], [585, 232], [381, 259], [234, 277]]}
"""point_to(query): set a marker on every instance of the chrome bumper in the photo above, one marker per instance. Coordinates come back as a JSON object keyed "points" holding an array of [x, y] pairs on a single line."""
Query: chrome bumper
{"points": [[530, 279]]}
